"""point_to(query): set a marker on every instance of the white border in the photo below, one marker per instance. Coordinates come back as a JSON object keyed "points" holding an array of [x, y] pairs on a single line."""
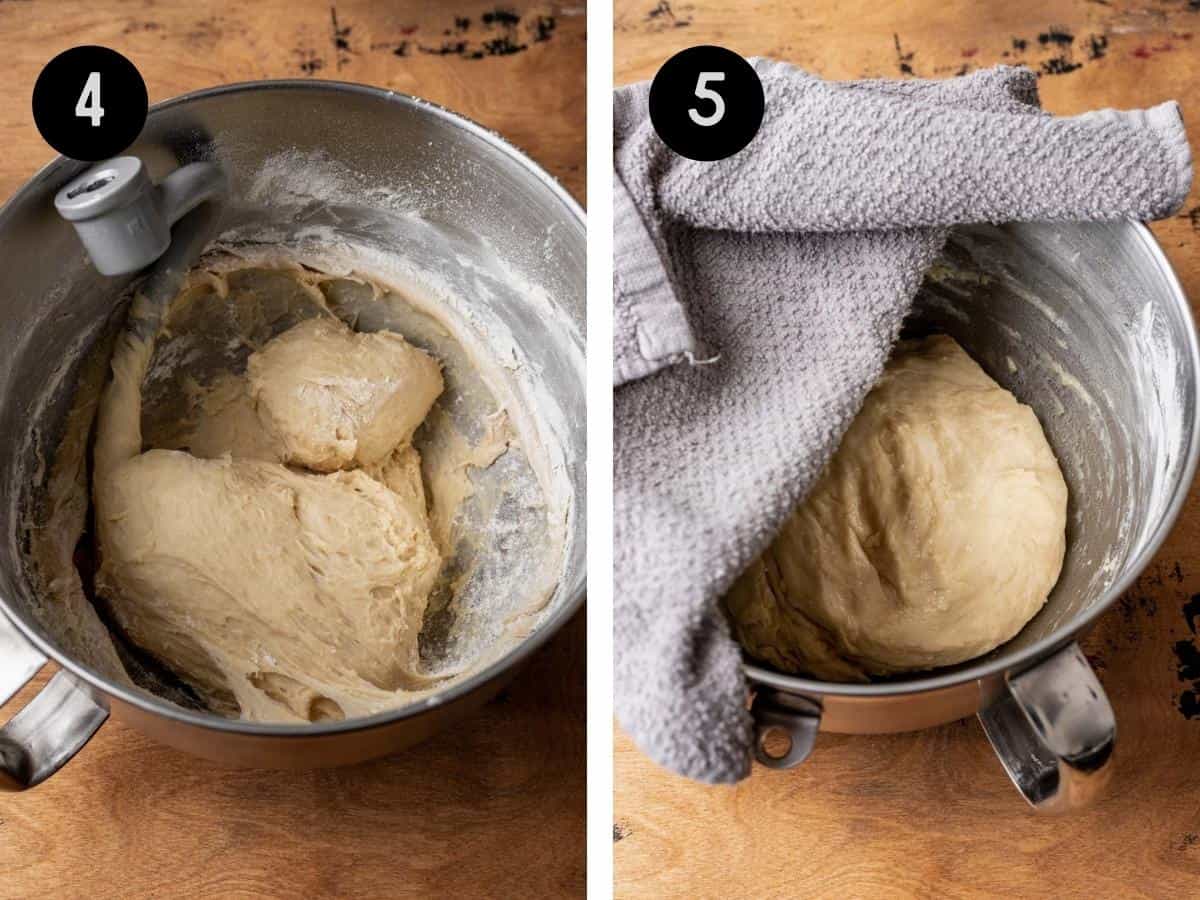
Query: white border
{"points": [[600, 451]]}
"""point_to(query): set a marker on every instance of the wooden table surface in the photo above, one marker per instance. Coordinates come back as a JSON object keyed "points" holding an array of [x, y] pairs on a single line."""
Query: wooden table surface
{"points": [[495, 807], [932, 814]]}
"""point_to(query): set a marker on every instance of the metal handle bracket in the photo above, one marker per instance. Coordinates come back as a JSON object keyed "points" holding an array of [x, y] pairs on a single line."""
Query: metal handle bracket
{"points": [[1054, 731], [52, 727]]}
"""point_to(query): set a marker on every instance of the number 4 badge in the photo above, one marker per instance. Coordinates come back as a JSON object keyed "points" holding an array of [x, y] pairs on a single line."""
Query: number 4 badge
{"points": [[88, 105]]}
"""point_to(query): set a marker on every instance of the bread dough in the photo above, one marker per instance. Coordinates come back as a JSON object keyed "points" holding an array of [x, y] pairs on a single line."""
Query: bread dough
{"points": [[933, 536], [279, 593], [328, 415]]}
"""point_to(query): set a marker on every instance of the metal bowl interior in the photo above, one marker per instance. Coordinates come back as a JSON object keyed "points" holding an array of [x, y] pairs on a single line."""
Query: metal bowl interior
{"points": [[397, 176], [1088, 325]]}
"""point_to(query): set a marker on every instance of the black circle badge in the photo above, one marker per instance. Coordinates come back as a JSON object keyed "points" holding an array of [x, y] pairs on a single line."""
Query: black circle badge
{"points": [[706, 103], [90, 103]]}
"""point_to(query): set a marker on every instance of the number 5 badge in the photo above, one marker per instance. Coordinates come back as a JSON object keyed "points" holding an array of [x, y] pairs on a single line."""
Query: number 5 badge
{"points": [[706, 103]]}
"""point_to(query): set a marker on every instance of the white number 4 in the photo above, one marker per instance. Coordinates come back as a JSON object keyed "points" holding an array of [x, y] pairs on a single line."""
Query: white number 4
{"points": [[88, 105], [704, 92]]}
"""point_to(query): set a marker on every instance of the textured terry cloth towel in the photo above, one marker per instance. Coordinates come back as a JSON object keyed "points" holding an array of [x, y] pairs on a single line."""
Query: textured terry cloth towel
{"points": [[757, 299]]}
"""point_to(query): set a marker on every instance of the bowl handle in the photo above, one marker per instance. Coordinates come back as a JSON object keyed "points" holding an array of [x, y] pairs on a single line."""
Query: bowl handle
{"points": [[1054, 730], [52, 727], [795, 716]]}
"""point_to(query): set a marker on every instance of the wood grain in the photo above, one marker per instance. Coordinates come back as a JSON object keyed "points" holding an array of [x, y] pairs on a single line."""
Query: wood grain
{"points": [[525, 80], [493, 808], [932, 814]]}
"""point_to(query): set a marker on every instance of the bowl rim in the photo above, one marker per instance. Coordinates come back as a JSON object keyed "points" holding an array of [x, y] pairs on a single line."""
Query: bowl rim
{"points": [[1019, 660], [64, 169]]}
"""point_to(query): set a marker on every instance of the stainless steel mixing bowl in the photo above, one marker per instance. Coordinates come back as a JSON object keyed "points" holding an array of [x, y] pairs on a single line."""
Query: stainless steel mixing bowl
{"points": [[411, 179], [1087, 324]]}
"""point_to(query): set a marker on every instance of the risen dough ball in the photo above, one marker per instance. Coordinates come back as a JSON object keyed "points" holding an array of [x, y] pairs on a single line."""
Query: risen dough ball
{"points": [[933, 536]]}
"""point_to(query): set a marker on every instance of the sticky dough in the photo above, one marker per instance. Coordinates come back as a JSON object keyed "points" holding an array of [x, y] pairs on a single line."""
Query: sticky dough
{"points": [[933, 536], [291, 584]]}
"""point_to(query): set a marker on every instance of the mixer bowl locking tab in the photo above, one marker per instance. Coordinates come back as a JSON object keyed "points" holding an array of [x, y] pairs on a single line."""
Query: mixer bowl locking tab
{"points": [[123, 219]]}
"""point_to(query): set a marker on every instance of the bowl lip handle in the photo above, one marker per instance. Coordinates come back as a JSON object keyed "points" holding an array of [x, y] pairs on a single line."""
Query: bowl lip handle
{"points": [[1054, 731], [49, 729]]}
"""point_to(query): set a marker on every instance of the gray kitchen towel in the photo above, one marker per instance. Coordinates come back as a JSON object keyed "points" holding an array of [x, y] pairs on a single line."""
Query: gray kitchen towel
{"points": [[756, 301]]}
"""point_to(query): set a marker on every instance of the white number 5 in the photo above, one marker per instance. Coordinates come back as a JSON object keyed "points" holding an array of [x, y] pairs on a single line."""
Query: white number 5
{"points": [[704, 92], [88, 105]]}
